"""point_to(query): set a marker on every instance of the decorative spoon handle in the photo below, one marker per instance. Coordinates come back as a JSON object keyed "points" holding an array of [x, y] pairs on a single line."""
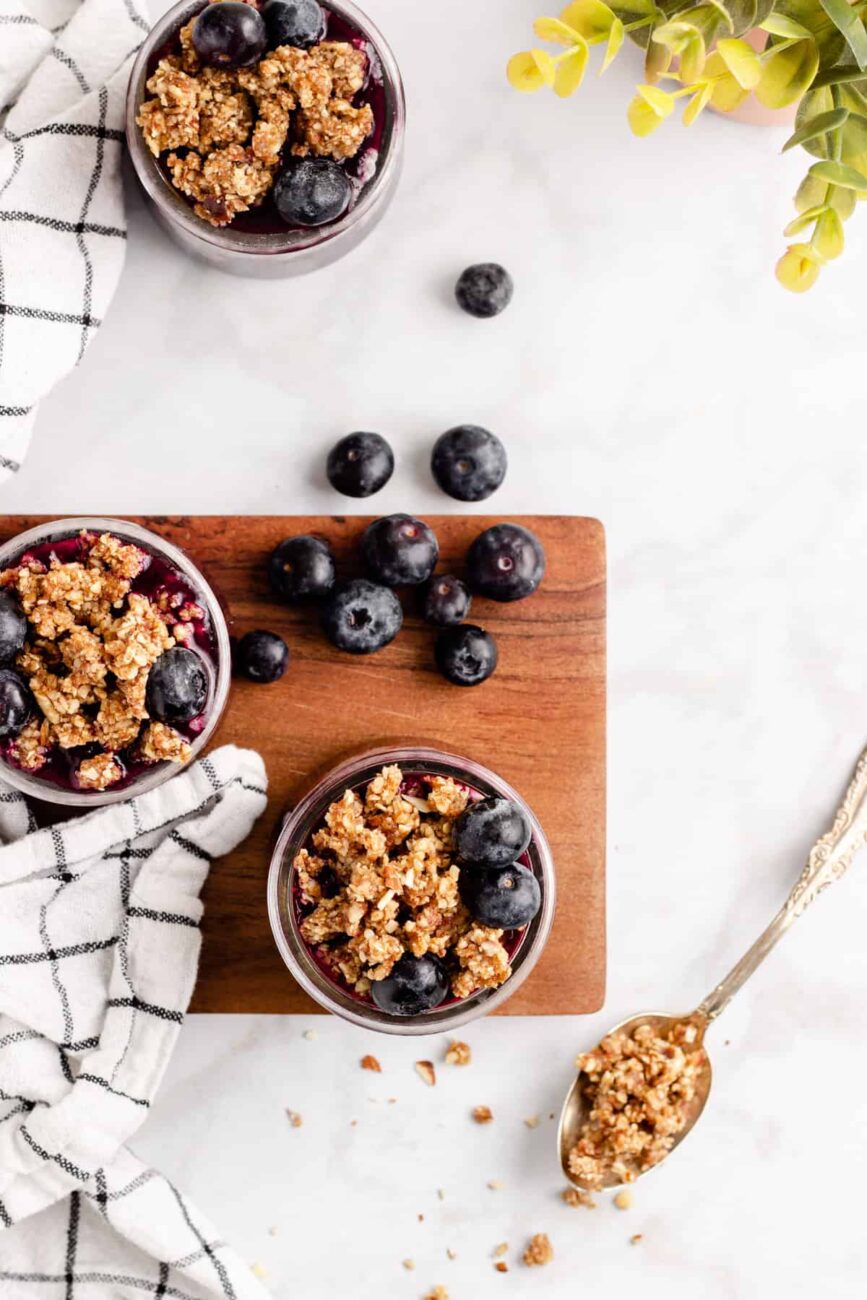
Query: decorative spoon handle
{"points": [[829, 859]]}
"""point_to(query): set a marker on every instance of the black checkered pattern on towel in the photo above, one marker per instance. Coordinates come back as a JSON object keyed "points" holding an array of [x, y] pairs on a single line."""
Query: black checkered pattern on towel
{"points": [[64, 65], [99, 943]]}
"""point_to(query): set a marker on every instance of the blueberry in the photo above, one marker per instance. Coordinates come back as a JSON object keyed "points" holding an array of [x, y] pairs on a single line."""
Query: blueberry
{"points": [[505, 897], [484, 289], [415, 984], [177, 688], [491, 833], [447, 601], [229, 35], [466, 655], [506, 562], [293, 22], [399, 550], [468, 462], [262, 656], [301, 568], [361, 617], [360, 464], [312, 191], [13, 627], [17, 705]]}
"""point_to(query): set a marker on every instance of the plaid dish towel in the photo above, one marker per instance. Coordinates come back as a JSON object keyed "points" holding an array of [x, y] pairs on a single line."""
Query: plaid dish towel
{"points": [[99, 943], [64, 67]]}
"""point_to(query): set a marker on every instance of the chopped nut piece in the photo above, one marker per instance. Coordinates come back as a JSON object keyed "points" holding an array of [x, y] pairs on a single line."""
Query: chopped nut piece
{"points": [[371, 1063], [623, 1200], [532, 1121], [482, 1114], [458, 1054], [426, 1072], [539, 1251], [496, 1185], [636, 1238], [438, 1293], [501, 1266], [294, 1118], [451, 1254], [575, 1197], [409, 1265], [501, 1250]]}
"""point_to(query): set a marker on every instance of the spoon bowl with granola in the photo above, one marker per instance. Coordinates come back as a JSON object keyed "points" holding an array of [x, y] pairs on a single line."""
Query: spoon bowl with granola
{"points": [[380, 916], [115, 661]]}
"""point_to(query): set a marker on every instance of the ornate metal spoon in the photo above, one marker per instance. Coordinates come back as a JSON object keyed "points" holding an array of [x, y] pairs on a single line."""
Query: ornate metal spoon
{"points": [[828, 861]]}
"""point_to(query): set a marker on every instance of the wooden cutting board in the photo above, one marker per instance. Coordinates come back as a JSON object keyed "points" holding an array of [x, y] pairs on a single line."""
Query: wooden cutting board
{"points": [[539, 722]]}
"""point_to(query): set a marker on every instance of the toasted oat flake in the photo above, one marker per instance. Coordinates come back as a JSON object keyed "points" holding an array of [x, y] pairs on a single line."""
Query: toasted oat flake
{"points": [[623, 1200], [539, 1251], [532, 1121], [496, 1185], [426, 1072], [451, 1254], [575, 1197], [409, 1265], [294, 1118], [371, 1063], [458, 1053], [482, 1114], [438, 1293], [500, 1251]]}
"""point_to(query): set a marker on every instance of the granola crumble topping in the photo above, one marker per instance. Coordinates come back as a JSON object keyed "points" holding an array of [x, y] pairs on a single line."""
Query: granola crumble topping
{"points": [[639, 1088], [380, 880], [539, 1251], [232, 126], [458, 1053]]}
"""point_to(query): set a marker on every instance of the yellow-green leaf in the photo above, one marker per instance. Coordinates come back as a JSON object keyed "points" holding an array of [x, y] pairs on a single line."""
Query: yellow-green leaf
{"points": [[569, 72], [697, 104], [615, 40], [726, 93], [692, 59], [523, 72], [782, 25], [803, 221], [555, 31], [798, 268], [660, 101], [843, 201], [641, 117], [787, 72], [817, 126], [591, 18], [657, 60], [828, 238], [812, 192], [836, 173], [546, 65], [742, 62]]}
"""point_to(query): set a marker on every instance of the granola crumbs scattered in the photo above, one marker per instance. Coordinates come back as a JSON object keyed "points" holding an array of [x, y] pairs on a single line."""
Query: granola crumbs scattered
{"points": [[495, 1185], [438, 1293], [539, 1251], [294, 1118], [636, 1238], [451, 1254], [532, 1121], [482, 1114], [409, 1265], [501, 1266], [458, 1053], [161, 744], [426, 1072], [500, 1251], [371, 1063], [99, 772], [623, 1200], [310, 1034], [639, 1088], [574, 1196]]}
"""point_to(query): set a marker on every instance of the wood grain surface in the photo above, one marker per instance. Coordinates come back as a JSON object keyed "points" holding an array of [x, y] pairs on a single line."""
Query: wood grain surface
{"points": [[539, 722]]}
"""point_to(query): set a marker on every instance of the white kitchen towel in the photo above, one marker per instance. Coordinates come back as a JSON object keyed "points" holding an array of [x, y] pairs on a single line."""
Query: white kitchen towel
{"points": [[99, 944], [64, 67]]}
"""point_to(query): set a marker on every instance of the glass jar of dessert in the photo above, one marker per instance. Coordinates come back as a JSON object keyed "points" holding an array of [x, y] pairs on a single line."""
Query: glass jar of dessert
{"points": [[411, 890], [115, 661], [267, 137]]}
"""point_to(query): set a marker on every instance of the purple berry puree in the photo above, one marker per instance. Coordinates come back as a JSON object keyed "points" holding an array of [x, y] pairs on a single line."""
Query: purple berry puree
{"points": [[157, 577], [265, 220], [414, 783]]}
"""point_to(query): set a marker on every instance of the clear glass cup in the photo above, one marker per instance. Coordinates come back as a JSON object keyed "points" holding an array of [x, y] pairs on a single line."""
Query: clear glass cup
{"points": [[219, 674], [267, 255], [307, 815]]}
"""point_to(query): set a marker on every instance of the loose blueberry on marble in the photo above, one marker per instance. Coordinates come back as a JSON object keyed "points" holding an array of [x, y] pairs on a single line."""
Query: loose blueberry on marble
{"points": [[466, 655], [468, 462], [13, 627], [493, 832], [361, 617], [177, 688], [485, 289], [229, 34], [399, 550], [447, 601], [17, 705], [262, 656], [312, 191], [506, 562], [293, 22], [360, 464], [416, 984], [504, 897], [301, 568]]}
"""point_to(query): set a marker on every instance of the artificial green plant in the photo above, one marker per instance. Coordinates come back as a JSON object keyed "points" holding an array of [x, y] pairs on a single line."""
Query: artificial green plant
{"points": [[811, 52]]}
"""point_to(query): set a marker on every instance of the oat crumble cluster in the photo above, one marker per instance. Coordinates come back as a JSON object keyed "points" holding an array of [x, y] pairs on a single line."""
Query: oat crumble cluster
{"points": [[224, 131], [91, 644], [639, 1089], [390, 855], [539, 1251]]}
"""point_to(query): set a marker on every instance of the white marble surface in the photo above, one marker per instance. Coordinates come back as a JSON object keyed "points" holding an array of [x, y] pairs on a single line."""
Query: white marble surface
{"points": [[651, 373]]}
